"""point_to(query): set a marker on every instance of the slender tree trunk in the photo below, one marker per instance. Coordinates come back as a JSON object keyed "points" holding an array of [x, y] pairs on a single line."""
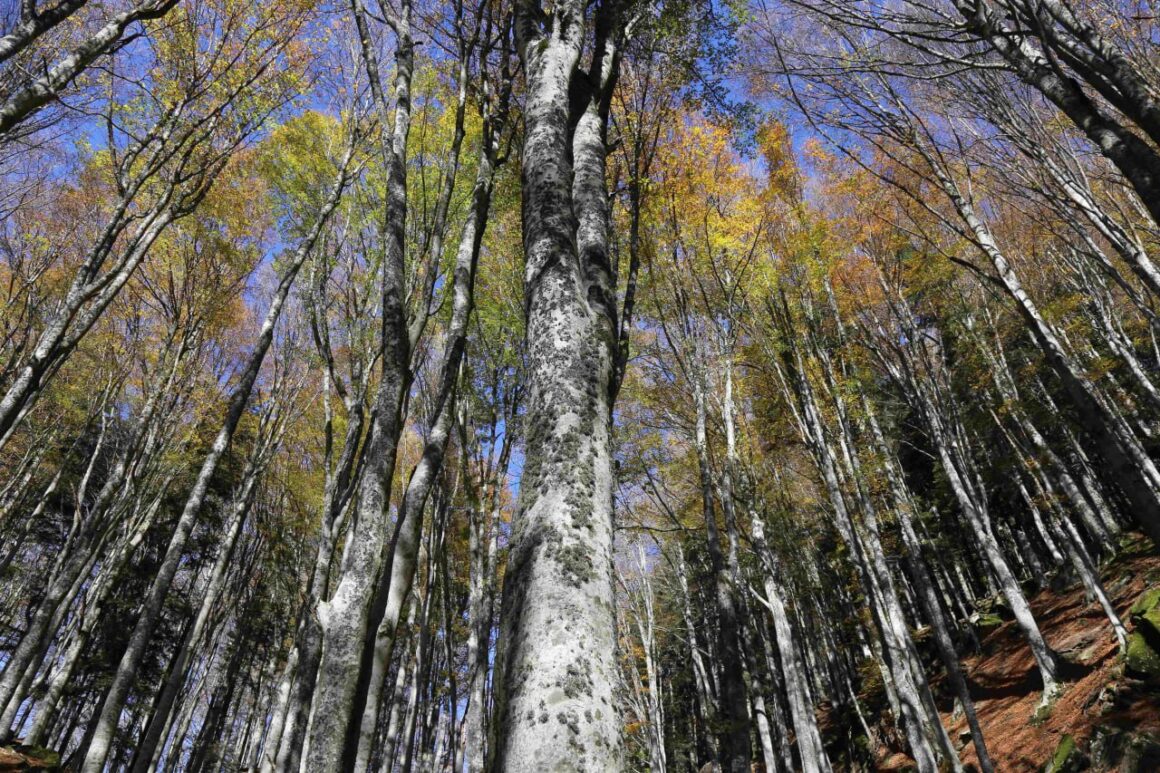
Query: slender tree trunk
{"points": [[733, 739], [927, 595], [809, 739], [706, 703], [159, 723], [894, 639], [118, 691], [345, 619], [396, 583], [1128, 464]]}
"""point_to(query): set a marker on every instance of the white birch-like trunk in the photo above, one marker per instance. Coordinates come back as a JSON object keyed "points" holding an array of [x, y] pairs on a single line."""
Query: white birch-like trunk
{"points": [[809, 739], [556, 665]]}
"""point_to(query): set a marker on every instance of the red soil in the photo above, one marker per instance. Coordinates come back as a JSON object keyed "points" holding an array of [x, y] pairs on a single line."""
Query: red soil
{"points": [[1006, 688]]}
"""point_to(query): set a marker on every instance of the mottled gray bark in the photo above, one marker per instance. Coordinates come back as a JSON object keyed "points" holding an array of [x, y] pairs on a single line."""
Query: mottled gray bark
{"points": [[471, 752], [345, 619], [279, 712], [287, 728], [396, 582], [556, 665], [1133, 156], [18, 106], [34, 22], [393, 730]]}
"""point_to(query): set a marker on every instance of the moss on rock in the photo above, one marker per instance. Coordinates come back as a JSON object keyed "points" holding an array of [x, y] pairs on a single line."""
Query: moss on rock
{"points": [[1145, 613], [1067, 758], [23, 757], [1142, 658], [986, 622], [1149, 599]]}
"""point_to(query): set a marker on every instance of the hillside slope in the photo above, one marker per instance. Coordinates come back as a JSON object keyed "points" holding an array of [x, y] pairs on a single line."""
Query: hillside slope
{"points": [[1113, 720]]}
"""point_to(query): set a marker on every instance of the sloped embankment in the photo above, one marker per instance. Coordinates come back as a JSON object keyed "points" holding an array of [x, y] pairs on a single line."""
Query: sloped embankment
{"points": [[1107, 716]]}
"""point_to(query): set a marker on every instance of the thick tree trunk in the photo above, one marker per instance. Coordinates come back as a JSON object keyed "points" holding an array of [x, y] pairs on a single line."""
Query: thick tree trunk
{"points": [[556, 665]]}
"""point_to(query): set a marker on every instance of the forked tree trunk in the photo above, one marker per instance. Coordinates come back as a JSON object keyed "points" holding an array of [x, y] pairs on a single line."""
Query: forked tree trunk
{"points": [[556, 666]]}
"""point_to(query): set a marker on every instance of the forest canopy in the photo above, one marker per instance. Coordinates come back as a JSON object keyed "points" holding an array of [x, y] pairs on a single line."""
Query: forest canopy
{"points": [[506, 385]]}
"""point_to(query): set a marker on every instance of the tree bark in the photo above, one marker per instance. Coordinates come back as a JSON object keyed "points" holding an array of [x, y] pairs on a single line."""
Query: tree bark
{"points": [[556, 665]]}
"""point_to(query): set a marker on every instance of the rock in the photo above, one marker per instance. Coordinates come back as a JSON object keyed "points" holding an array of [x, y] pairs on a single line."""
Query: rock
{"points": [[985, 622], [1111, 697], [1142, 659], [1107, 746], [996, 606], [1117, 748], [1141, 754], [1149, 599], [1081, 646], [1145, 613], [957, 711], [1114, 584], [1067, 758]]}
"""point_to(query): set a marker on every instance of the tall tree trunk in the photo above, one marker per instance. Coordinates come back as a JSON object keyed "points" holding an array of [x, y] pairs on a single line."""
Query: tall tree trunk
{"points": [[809, 740], [114, 700], [893, 636], [1128, 464], [733, 720], [556, 665], [159, 722], [395, 584], [345, 619], [1133, 156], [927, 596]]}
